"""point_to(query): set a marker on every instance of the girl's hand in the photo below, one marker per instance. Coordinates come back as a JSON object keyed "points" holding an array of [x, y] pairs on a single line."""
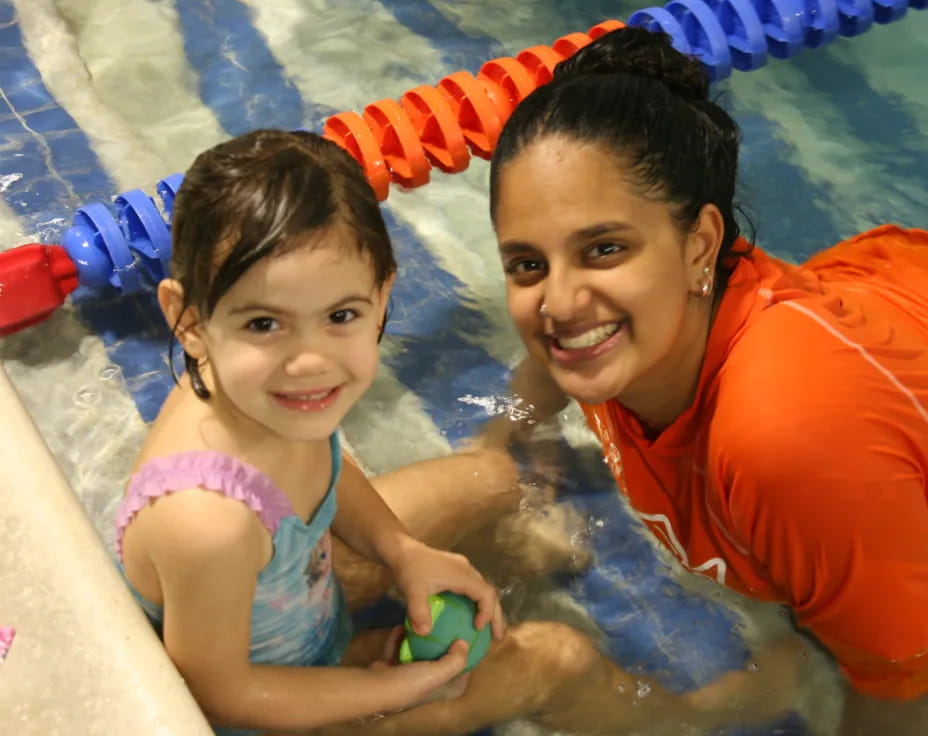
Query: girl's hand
{"points": [[424, 682], [421, 570]]}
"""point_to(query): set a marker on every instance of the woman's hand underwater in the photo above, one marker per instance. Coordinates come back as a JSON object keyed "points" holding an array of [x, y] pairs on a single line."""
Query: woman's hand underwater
{"points": [[421, 571]]}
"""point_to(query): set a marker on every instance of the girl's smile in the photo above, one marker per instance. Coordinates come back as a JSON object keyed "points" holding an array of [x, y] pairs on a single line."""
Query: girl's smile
{"points": [[308, 401]]}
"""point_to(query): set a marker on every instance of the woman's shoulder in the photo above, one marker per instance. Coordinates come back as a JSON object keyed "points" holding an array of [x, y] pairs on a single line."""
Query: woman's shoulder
{"points": [[796, 395], [791, 387]]}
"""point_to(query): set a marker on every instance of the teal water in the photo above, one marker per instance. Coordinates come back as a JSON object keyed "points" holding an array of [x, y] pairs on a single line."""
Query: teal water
{"points": [[109, 95]]}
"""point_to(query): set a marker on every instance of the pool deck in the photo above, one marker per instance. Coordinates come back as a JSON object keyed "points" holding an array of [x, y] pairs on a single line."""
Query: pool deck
{"points": [[84, 660]]}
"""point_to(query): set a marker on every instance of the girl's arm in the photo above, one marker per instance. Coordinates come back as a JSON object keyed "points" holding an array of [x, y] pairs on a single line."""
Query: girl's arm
{"points": [[207, 551], [366, 524]]}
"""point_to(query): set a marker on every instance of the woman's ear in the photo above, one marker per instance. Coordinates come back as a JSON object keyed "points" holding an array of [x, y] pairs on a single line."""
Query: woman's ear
{"points": [[703, 242], [184, 321]]}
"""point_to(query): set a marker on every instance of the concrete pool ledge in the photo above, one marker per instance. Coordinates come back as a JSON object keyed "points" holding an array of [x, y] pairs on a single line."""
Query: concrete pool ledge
{"points": [[84, 660]]}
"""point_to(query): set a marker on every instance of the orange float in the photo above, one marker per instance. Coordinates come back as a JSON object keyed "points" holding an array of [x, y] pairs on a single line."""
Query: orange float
{"points": [[437, 127], [349, 131], [399, 142], [474, 110]]}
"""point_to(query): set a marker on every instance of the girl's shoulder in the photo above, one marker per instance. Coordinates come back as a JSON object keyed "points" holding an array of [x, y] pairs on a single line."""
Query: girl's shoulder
{"points": [[200, 502], [217, 480]]}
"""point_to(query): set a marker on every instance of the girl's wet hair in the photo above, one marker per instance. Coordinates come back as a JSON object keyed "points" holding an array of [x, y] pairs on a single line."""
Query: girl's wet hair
{"points": [[632, 93], [262, 194]]}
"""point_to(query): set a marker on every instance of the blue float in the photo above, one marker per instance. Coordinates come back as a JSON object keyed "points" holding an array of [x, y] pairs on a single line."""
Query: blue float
{"points": [[821, 22], [167, 189], [745, 33], [100, 250], [782, 20], [856, 16], [658, 19], [146, 231], [887, 11], [706, 36]]}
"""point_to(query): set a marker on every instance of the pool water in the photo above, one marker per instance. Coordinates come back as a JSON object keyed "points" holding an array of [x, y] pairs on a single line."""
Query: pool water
{"points": [[103, 96]]}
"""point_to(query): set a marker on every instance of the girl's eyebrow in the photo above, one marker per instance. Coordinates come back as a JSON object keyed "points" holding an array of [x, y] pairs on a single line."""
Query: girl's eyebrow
{"points": [[512, 247], [349, 300], [257, 307], [274, 309]]}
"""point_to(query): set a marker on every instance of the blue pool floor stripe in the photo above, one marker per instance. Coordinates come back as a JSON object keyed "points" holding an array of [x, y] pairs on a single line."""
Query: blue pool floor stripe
{"points": [[869, 114], [136, 338], [43, 145], [459, 49], [240, 80], [777, 183], [428, 323]]}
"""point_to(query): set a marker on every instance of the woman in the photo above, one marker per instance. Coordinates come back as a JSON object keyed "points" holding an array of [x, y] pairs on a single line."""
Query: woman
{"points": [[767, 421]]}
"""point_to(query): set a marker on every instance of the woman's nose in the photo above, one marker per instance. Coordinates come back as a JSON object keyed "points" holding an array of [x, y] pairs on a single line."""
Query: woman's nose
{"points": [[565, 295]]}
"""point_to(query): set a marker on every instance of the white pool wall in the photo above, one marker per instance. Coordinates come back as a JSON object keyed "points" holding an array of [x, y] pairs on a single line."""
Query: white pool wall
{"points": [[85, 660]]}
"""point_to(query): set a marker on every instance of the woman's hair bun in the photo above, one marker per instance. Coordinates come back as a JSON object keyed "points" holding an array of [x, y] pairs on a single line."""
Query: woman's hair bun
{"points": [[642, 53]]}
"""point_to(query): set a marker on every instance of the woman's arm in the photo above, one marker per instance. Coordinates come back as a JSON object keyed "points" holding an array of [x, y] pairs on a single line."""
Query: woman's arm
{"points": [[534, 398]]}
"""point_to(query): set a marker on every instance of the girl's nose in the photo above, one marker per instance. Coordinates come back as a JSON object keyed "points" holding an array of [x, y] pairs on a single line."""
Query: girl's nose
{"points": [[307, 359]]}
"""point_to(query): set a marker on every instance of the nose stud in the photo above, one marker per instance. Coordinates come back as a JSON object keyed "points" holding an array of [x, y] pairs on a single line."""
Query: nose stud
{"points": [[543, 310]]}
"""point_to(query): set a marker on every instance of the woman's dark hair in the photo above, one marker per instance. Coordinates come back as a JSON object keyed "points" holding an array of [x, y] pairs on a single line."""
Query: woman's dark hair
{"points": [[261, 194], [632, 93]]}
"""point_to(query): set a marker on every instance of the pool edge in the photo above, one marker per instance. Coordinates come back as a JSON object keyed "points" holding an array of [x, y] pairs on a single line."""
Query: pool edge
{"points": [[84, 660]]}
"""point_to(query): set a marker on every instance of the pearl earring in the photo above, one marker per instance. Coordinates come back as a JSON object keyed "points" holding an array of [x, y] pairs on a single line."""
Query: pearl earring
{"points": [[707, 283], [543, 310]]}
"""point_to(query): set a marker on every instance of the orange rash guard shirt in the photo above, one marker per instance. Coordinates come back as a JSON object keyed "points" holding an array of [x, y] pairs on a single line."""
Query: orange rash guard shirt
{"points": [[799, 472]]}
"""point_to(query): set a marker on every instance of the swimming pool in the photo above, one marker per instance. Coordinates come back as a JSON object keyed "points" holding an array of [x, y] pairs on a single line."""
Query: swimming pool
{"points": [[109, 95]]}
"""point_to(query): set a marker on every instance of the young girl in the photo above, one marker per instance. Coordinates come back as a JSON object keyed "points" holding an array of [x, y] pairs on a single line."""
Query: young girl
{"points": [[280, 276]]}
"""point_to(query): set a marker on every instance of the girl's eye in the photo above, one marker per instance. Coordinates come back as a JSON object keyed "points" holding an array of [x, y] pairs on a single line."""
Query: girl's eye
{"points": [[343, 316], [261, 324]]}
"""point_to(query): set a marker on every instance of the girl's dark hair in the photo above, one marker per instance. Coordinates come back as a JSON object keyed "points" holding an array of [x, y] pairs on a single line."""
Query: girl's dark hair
{"points": [[261, 194], [631, 92]]}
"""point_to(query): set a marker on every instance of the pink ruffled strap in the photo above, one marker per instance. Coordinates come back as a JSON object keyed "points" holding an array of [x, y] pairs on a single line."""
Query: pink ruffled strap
{"points": [[207, 469]]}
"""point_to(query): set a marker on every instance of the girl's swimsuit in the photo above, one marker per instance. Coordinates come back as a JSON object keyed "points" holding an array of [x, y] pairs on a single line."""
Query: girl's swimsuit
{"points": [[799, 472], [299, 616]]}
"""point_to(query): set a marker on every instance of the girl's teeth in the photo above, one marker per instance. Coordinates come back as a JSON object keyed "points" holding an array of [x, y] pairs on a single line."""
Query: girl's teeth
{"points": [[311, 397], [588, 339]]}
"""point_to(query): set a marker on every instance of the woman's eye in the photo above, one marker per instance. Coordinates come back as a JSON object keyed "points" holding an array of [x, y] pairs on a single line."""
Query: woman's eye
{"points": [[343, 316], [261, 324], [604, 250], [524, 266]]}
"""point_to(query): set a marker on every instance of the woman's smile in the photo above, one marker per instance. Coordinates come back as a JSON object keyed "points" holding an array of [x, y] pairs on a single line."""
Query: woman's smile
{"points": [[578, 346]]}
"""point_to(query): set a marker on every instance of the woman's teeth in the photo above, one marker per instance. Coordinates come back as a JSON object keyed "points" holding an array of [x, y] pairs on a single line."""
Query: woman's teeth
{"points": [[590, 338]]}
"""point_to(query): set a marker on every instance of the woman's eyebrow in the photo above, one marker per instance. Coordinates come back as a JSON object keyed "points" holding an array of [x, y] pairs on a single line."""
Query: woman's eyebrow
{"points": [[514, 247], [600, 228]]}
